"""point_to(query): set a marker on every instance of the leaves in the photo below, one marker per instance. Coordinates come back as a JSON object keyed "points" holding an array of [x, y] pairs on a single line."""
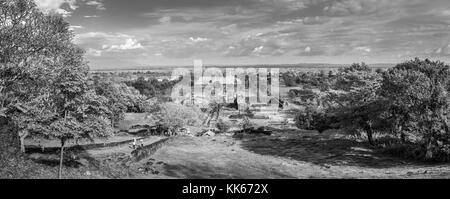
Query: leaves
{"points": [[43, 71]]}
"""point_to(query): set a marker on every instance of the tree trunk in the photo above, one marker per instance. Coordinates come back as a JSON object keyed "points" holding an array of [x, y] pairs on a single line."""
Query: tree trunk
{"points": [[370, 137], [369, 132], [403, 137], [399, 130], [61, 160], [22, 136], [429, 154], [22, 144]]}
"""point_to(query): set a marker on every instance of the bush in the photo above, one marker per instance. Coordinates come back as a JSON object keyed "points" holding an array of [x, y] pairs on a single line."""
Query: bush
{"points": [[223, 126], [246, 124], [177, 116], [418, 94], [289, 79], [313, 119]]}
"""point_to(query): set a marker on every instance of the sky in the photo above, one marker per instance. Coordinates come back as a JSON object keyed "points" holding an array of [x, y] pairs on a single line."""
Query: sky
{"points": [[136, 33]]}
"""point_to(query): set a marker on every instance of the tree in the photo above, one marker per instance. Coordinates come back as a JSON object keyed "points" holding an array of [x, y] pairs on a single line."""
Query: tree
{"points": [[30, 49], [66, 109], [174, 115], [356, 67], [358, 106], [289, 79], [115, 101], [152, 87], [418, 94], [44, 72]]}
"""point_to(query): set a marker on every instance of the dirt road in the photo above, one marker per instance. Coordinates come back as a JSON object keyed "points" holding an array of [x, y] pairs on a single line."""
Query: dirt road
{"points": [[282, 155]]}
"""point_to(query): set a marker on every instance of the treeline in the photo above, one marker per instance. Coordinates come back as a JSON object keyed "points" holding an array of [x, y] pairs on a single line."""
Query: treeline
{"points": [[152, 87], [408, 105]]}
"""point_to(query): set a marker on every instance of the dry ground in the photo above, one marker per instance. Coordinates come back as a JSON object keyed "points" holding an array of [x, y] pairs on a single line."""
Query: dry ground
{"points": [[282, 155]]}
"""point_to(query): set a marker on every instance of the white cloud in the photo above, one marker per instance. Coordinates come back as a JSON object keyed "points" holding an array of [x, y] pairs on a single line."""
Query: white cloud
{"points": [[258, 49], [98, 43], [364, 49], [98, 4], [442, 51], [198, 39], [62, 12], [130, 44], [93, 52], [75, 27], [54, 6], [359, 7], [91, 16], [308, 49], [165, 19], [47, 5]]}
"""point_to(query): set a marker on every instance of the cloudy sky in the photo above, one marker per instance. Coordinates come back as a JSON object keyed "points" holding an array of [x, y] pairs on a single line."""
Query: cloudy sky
{"points": [[130, 33]]}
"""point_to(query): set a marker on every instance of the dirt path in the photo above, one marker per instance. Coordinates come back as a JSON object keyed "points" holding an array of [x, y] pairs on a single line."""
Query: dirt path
{"points": [[283, 155]]}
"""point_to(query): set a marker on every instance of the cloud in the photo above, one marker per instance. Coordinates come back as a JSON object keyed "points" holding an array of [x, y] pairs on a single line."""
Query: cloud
{"points": [[315, 20], [76, 27], [130, 44], [258, 49], [93, 52], [198, 39], [98, 4], [442, 51], [91, 16], [307, 49], [363, 49], [99, 43], [359, 7], [55, 6], [47, 5], [165, 20], [282, 30]]}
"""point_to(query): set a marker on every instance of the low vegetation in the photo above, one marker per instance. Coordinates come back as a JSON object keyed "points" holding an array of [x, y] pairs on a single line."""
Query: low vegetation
{"points": [[408, 102]]}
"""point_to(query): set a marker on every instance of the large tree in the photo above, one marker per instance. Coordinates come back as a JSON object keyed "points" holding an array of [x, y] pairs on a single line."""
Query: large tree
{"points": [[44, 74], [417, 92]]}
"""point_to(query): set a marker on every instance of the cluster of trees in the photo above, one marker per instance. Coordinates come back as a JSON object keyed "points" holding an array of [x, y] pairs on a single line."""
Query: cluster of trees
{"points": [[152, 87], [409, 102], [308, 79], [121, 99], [45, 86], [175, 115]]}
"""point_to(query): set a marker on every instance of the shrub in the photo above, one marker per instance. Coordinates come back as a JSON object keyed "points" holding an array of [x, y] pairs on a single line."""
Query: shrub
{"points": [[245, 124], [418, 94], [289, 79], [176, 115], [314, 119], [223, 126]]}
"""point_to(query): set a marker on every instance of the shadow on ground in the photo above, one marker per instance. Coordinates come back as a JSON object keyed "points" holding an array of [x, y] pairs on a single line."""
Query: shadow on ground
{"points": [[322, 151]]}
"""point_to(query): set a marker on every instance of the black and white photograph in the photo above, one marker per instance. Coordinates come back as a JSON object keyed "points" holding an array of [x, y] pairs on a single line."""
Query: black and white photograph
{"points": [[224, 89]]}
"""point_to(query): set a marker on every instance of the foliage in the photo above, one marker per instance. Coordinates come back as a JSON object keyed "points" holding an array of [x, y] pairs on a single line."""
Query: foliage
{"points": [[177, 116], [245, 124], [289, 79], [314, 119], [363, 67], [44, 72], [409, 101], [121, 98], [223, 126], [152, 87], [418, 94]]}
